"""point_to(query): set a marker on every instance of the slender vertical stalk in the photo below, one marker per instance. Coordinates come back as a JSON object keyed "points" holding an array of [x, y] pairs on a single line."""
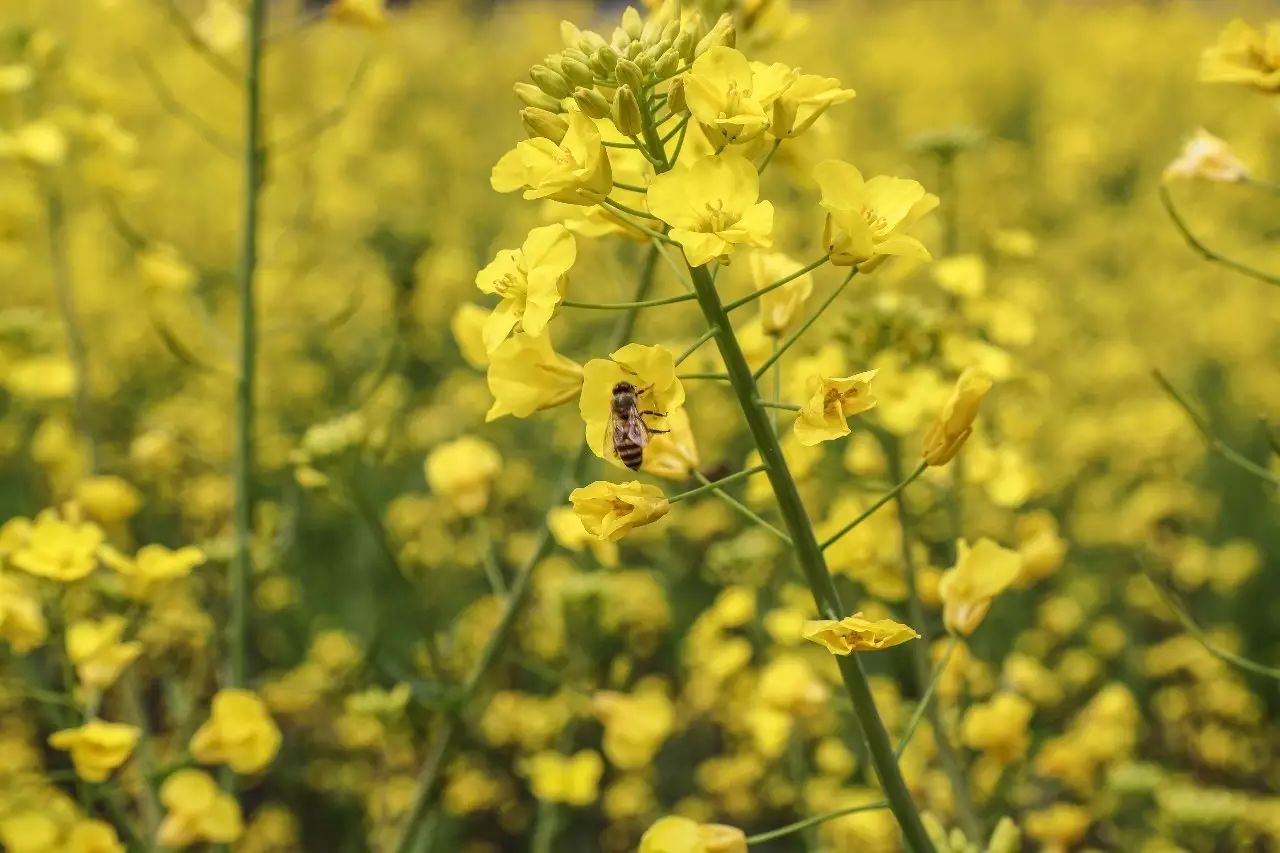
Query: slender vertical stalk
{"points": [[64, 289], [242, 467]]}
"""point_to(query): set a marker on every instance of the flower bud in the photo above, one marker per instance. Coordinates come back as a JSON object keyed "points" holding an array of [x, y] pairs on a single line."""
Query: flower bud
{"points": [[580, 55], [591, 102], [629, 74], [650, 34], [538, 122], [591, 42], [579, 73], [667, 64], [632, 25], [684, 44], [532, 96], [632, 50], [670, 31], [549, 81], [675, 96], [605, 59], [1006, 838], [721, 34], [626, 112], [648, 58]]}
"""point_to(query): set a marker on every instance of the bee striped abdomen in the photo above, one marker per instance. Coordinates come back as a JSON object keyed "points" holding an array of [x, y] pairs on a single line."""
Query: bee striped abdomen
{"points": [[631, 454]]}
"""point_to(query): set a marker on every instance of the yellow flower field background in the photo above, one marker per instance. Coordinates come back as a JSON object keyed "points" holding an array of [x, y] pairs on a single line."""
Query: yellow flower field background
{"points": [[699, 427]]}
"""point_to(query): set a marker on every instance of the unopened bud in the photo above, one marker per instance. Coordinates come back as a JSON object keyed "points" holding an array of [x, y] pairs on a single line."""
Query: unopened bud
{"points": [[549, 81], [675, 96], [629, 74], [684, 45], [591, 42], [1006, 838], [651, 33], [632, 50], [626, 112], [721, 34], [541, 123], [632, 25], [606, 58], [671, 30], [579, 73], [532, 96], [591, 102], [667, 64]]}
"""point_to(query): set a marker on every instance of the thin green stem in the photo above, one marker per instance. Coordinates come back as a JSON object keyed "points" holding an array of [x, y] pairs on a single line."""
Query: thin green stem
{"points": [[1214, 443], [624, 214], [242, 469], [679, 128], [716, 484], [608, 144], [881, 501], [722, 377], [445, 735], [756, 294], [777, 404], [744, 510], [628, 306], [1210, 254], [656, 163], [768, 158], [634, 211], [677, 269], [684, 132], [804, 327], [489, 560], [635, 188], [801, 825], [923, 705], [693, 347]]}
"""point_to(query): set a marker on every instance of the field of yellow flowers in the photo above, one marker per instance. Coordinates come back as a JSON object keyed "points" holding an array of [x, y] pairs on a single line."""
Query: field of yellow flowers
{"points": [[708, 426]]}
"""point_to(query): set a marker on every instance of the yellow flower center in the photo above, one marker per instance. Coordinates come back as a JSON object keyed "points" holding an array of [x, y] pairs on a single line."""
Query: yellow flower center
{"points": [[878, 224], [714, 217], [511, 286]]}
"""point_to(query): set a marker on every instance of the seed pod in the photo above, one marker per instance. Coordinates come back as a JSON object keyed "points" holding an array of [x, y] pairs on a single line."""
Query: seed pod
{"points": [[531, 96], [667, 64], [549, 81], [628, 73], [626, 111], [675, 96], [578, 72], [591, 102], [543, 123]]}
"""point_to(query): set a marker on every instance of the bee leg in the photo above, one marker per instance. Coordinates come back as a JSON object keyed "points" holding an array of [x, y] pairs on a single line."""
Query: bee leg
{"points": [[651, 412], [644, 391], [656, 431]]}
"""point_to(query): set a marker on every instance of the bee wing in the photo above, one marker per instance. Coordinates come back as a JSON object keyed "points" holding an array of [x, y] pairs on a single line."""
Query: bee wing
{"points": [[635, 430], [615, 432]]}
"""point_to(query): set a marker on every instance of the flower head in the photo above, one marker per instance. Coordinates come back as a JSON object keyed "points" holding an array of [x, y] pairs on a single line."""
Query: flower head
{"points": [[778, 307], [571, 779], [22, 622], [96, 650], [672, 455], [463, 471], [575, 171], [674, 834], [856, 634], [530, 281], [979, 575], [1208, 158], [867, 220], [730, 96], [650, 369], [58, 549], [197, 811], [807, 98], [1244, 56], [612, 510], [527, 375], [152, 567], [711, 205], [239, 733], [948, 434], [96, 748], [834, 401]]}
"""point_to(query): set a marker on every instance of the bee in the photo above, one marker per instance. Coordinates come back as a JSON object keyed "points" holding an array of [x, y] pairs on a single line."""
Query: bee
{"points": [[627, 432]]}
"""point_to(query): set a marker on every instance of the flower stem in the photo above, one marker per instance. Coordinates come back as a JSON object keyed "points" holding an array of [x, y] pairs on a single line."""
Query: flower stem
{"points": [[756, 294], [242, 468], [627, 306], [768, 158], [693, 347], [742, 508], [716, 484], [1214, 443], [518, 592], [801, 825], [804, 327], [923, 705], [722, 377], [1210, 254], [809, 556], [884, 499], [778, 404]]}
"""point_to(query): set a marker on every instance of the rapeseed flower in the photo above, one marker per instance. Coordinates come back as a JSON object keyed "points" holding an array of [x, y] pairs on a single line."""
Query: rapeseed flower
{"points": [[712, 206]]}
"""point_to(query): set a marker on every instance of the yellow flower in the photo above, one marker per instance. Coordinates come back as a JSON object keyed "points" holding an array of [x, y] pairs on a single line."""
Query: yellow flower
{"points": [[572, 779], [683, 835], [107, 499], [962, 275], [672, 455], [943, 440], [635, 724], [576, 171], [221, 25], [57, 549], [999, 727], [610, 511], [826, 414], [463, 472], [97, 652], [364, 13], [30, 832], [93, 836], [467, 326], [779, 306], [711, 206], [152, 567], [22, 621], [37, 143], [240, 733], [1208, 158], [1245, 56], [527, 375], [651, 369], [197, 811], [979, 575], [797, 108], [531, 282], [856, 634], [96, 748], [866, 220], [730, 97]]}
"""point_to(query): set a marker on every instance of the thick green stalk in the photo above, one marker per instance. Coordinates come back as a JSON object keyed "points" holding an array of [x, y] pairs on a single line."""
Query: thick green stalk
{"points": [[447, 731], [809, 556], [242, 470]]}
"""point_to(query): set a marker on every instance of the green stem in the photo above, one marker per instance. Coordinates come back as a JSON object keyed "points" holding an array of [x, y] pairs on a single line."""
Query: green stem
{"points": [[546, 825], [242, 470], [884, 499], [628, 306], [444, 737], [742, 508], [693, 347], [1210, 254], [768, 158], [635, 188], [809, 556], [756, 294], [778, 404], [1214, 443], [624, 214], [634, 211], [715, 484], [804, 327], [722, 377], [801, 825], [923, 705], [679, 128]]}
